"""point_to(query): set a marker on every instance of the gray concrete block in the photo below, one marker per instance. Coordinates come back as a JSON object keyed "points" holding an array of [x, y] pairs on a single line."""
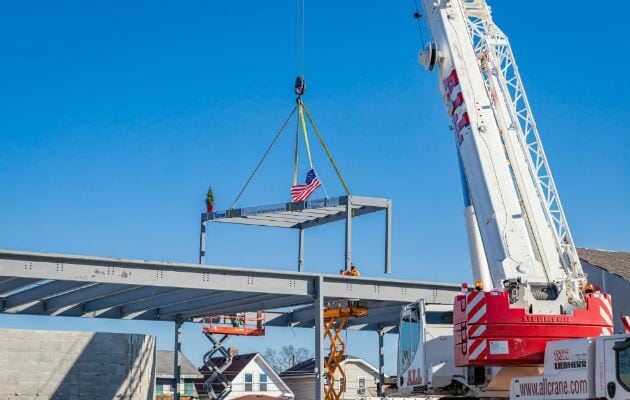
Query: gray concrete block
{"points": [[75, 365]]}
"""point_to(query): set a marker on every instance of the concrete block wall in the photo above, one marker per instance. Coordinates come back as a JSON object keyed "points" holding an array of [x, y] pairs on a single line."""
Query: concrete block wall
{"points": [[64, 365]]}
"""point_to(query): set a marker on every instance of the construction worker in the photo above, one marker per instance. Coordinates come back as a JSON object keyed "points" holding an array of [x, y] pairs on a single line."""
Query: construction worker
{"points": [[352, 272]]}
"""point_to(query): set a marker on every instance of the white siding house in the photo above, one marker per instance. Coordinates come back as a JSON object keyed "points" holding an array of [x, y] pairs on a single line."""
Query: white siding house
{"points": [[361, 379], [164, 377], [251, 375]]}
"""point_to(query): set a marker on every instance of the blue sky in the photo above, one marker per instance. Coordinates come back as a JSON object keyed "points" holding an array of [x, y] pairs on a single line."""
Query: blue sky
{"points": [[115, 117]]}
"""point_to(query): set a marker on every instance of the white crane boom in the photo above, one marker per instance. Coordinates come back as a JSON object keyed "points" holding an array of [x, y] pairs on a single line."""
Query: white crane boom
{"points": [[526, 241]]}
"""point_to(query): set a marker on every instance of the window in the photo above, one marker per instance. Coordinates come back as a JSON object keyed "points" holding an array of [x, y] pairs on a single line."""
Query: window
{"points": [[340, 382], [189, 388], [249, 382], [361, 387], [159, 389], [439, 317], [623, 363], [408, 340], [263, 382]]}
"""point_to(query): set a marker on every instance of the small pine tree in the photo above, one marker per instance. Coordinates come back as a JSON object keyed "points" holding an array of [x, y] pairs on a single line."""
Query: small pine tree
{"points": [[210, 197]]}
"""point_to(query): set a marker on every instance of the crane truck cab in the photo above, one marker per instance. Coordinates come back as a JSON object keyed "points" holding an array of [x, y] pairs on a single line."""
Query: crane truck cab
{"points": [[425, 350], [588, 368]]}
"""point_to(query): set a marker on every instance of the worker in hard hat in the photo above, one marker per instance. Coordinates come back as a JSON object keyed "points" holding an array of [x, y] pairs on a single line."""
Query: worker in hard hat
{"points": [[352, 272]]}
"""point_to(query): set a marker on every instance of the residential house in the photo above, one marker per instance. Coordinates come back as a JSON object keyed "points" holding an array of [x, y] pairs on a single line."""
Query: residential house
{"points": [[164, 377], [251, 377], [611, 271], [361, 379]]}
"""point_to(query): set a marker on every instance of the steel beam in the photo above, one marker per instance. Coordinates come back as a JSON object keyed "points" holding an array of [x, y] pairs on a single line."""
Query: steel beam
{"points": [[84, 294], [348, 262], [370, 202], [336, 286], [145, 273], [336, 217], [168, 299], [9, 284], [210, 302], [378, 315], [304, 314], [381, 363], [202, 242], [259, 304], [300, 250], [318, 305], [159, 290], [177, 362], [40, 292], [128, 297], [388, 237]]}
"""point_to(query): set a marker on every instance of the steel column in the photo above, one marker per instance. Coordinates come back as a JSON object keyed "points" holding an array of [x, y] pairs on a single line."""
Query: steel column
{"points": [[388, 237], [301, 251], [348, 233], [177, 363], [319, 340], [202, 241], [381, 362]]}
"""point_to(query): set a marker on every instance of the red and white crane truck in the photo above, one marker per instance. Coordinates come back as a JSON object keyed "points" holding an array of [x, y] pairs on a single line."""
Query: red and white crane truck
{"points": [[531, 326]]}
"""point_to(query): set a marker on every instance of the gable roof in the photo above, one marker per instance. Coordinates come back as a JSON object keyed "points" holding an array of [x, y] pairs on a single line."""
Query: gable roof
{"points": [[164, 366], [615, 262], [239, 363], [307, 367]]}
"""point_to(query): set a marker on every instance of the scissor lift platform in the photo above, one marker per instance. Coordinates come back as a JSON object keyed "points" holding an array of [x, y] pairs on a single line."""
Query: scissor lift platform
{"points": [[219, 329], [235, 325]]}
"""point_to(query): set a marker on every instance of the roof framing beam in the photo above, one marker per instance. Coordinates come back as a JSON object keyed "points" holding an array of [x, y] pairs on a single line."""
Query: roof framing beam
{"points": [[134, 272], [9, 284], [40, 292], [68, 285]]}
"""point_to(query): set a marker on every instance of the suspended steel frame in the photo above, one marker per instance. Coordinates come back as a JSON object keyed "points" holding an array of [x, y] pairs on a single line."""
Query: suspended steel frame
{"points": [[304, 215]]}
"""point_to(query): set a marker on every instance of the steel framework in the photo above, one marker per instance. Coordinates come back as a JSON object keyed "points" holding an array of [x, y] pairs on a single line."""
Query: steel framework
{"points": [[304, 215], [96, 287]]}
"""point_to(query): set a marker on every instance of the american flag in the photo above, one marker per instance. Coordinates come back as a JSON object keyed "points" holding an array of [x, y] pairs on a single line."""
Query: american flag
{"points": [[302, 192]]}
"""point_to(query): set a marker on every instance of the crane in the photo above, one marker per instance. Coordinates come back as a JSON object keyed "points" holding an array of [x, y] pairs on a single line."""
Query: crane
{"points": [[530, 291], [530, 288]]}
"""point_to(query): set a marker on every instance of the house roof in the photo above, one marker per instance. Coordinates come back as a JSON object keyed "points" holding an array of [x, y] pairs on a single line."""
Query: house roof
{"points": [[239, 363], [615, 262], [164, 365], [307, 367]]}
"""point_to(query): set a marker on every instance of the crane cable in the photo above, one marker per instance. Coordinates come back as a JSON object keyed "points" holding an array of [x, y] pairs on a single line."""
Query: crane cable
{"points": [[299, 38], [297, 152], [306, 142], [326, 150], [273, 142], [417, 15], [301, 121]]}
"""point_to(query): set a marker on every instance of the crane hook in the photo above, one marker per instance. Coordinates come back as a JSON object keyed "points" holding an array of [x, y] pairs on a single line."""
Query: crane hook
{"points": [[300, 86]]}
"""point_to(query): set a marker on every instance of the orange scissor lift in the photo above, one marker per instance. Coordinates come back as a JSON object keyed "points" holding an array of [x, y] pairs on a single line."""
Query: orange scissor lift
{"points": [[219, 329], [336, 317]]}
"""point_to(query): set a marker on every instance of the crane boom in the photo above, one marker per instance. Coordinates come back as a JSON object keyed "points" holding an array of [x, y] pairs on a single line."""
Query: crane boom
{"points": [[519, 216], [521, 246]]}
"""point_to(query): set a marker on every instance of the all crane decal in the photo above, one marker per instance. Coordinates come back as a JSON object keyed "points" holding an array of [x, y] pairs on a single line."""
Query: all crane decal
{"points": [[457, 109]]}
